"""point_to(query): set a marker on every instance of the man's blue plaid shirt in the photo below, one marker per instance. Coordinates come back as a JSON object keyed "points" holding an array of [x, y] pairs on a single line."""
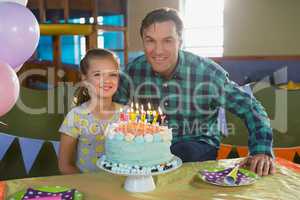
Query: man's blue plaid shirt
{"points": [[191, 99]]}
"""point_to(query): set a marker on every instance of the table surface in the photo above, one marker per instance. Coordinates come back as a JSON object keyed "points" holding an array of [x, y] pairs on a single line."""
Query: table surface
{"points": [[182, 184]]}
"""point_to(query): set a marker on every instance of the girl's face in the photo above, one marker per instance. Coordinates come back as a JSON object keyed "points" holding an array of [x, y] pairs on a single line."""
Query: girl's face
{"points": [[102, 77]]}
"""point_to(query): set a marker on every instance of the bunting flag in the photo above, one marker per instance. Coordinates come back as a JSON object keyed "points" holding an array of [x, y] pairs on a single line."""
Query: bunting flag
{"points": [[286, 153], [2, 190], [30, 149], [242, 151], [224, 151], [5, 141], [55, 146]]}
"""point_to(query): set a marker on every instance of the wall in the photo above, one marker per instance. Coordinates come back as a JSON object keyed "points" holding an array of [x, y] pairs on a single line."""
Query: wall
{"points": [[261, 27], [253, 27], [137, 10]]}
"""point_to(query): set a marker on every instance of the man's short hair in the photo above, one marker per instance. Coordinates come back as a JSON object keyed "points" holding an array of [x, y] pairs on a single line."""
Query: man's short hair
{"points": [[162, 15]]}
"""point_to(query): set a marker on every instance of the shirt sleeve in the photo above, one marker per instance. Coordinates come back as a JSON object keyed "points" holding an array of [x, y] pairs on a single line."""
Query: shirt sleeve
{"points": [[245, 106], [70, 125]]}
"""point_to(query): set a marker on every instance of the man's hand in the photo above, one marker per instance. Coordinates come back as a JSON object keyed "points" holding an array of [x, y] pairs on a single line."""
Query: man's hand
{"points": [[261, 164]]}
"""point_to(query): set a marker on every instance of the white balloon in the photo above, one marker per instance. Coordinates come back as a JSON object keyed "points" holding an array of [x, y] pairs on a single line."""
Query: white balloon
{"points": [[22, 2]]}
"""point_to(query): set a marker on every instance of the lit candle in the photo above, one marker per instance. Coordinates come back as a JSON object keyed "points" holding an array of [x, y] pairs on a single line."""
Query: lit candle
{"points": [[138, 116], [131, 112], [149, 106], [149, 113], [136, 106], [132, 115], [155, 116], [121, 115], [126, 117], [137, 112], [159, 111], [162, 117], [149, 116], [131, 105], [143, 117]]}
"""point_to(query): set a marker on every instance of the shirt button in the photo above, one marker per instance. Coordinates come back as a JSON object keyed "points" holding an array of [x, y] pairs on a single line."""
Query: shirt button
{"points": [[166, 104]]}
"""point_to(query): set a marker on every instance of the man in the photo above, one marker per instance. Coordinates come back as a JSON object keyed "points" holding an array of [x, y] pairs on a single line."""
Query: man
{"points": [[190, 90]]}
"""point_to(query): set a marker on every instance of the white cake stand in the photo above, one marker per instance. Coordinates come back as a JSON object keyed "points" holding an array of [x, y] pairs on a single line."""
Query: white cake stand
{"points": [[141, 182]]}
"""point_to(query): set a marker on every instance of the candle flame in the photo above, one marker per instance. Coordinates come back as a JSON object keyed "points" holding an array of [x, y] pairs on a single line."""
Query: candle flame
{"points": [[159, 110], [149, 106], [142, 107]]}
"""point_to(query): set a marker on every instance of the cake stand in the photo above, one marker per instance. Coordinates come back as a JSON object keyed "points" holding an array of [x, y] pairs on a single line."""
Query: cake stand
{"points": [[138, 180]]}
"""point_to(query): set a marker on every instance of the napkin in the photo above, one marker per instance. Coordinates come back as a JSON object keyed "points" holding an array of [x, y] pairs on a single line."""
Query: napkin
{"points": [[37, 194], [2, 190]]}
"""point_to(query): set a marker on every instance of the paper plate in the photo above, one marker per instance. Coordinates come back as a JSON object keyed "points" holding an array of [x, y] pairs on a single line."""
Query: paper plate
{"points": [[49, 189], [216, 176]]}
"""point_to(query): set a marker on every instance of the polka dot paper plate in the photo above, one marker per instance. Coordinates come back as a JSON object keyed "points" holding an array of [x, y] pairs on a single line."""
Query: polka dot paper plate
{"points": [[217, 176], [48, 193]]}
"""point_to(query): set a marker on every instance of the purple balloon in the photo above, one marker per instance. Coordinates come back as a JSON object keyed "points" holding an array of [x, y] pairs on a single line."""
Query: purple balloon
{"points": [[19, 33]]}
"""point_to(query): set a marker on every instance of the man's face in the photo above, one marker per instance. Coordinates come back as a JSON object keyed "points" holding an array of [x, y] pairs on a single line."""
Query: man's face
{"points": [[161, 45]]}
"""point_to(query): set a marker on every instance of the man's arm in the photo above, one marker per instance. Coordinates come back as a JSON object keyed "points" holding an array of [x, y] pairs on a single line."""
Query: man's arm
{"points": [[260, 140]]}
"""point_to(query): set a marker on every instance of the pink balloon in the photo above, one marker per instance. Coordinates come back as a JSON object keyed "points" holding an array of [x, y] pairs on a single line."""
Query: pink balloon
{"points": [[9, 88], [19, 33]]}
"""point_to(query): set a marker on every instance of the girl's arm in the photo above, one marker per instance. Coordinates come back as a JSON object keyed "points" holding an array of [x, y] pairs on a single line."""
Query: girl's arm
{"points": [[67, 155]]}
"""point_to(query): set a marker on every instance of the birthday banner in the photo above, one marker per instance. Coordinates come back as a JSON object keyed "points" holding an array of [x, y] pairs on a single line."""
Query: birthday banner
{"points": [[30, 148]]}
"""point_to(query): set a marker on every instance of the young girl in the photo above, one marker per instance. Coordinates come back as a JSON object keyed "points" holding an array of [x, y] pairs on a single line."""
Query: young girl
{"points": [[82, 138]]}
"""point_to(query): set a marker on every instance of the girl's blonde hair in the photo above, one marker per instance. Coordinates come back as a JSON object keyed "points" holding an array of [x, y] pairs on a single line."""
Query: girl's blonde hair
{"points": [[81, 94]]}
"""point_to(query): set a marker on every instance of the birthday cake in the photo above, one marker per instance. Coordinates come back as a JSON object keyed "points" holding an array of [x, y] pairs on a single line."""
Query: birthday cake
{"points": [[141, 144], [137, 143]]}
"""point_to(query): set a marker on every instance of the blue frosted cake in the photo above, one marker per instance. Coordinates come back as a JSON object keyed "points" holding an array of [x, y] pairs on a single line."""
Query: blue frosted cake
{"points": [[138, 144]]}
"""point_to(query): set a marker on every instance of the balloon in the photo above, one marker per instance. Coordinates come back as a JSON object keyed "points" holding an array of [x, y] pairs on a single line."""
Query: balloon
{"points": [[19, 33], [9, 88], [22, 2]]}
